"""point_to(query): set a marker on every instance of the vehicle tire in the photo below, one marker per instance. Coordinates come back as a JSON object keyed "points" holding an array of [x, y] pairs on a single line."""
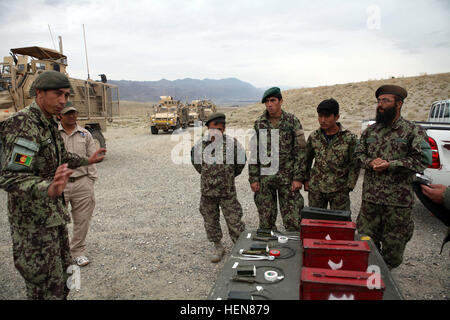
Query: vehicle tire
{"points": [[185, 125], [154, 130], [99, 139]]}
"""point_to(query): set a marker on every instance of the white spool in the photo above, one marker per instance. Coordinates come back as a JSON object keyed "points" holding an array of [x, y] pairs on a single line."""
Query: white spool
{"points": [[271, 275]]}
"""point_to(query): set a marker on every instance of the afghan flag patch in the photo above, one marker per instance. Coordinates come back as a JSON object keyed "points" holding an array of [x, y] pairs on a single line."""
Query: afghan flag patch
{"points": [[22, 159]]}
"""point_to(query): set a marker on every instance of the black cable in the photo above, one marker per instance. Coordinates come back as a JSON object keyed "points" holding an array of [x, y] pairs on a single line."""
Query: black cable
{"points": [[289, 255]]}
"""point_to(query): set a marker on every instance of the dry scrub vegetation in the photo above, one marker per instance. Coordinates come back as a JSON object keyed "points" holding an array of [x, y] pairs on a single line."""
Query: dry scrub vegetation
{"points": [[356, 100]]}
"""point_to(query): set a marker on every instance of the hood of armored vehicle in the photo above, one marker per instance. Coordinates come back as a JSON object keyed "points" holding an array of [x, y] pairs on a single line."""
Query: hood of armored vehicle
{"points": [[164, 115]]}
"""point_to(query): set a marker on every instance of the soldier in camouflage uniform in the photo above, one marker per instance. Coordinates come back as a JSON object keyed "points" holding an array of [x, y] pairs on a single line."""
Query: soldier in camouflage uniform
{"points": [[34, 172], [391, 151], [335, 169], [287, 181], [219, 159]]}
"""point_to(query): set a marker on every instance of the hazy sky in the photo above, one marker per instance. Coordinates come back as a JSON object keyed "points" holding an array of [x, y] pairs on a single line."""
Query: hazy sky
{"points": [[264, 42]]}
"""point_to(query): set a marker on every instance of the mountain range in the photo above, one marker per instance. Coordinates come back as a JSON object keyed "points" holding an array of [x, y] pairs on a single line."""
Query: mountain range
{"points": [[229, 90]]}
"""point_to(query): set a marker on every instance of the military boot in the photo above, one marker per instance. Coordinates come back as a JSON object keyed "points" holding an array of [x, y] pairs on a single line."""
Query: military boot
{"points": [[218, 252]]}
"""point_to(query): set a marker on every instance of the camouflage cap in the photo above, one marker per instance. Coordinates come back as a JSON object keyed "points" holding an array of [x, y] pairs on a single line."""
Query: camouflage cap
{"points": [[215, 116], [272, 92], [69, 107], [391, 89], [50, 80]]}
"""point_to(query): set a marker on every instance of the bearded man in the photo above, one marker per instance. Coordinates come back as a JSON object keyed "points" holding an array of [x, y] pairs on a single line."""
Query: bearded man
{"points": [[391, 151]]}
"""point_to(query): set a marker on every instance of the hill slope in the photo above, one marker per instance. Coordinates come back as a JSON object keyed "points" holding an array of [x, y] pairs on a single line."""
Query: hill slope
{"points": [[356, 100], [224, 90]]}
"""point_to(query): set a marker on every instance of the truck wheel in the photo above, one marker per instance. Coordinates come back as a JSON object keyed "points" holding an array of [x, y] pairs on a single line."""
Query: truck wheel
{"points": [[185, 125], [154, 130], [99, 139]]}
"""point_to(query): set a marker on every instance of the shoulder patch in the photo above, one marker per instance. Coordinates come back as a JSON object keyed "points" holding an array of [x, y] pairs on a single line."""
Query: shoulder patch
{"points": [[23, 159], [22, 155]]}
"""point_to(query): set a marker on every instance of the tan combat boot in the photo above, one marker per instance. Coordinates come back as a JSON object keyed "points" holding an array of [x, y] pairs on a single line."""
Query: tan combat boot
{"points": [[218, 252]]}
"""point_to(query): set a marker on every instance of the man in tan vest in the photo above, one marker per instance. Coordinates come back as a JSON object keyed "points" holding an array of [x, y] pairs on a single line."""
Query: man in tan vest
{"points": [[79, 191]]}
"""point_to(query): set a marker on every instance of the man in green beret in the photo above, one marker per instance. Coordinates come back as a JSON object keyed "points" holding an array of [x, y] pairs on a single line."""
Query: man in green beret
{"points": [[276, 127], [391, 151], [219, 159], [35, 170]]}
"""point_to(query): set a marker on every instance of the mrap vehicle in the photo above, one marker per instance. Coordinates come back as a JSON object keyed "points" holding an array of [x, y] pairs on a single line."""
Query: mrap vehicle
{"points": [[94, 100], [170, 114]]}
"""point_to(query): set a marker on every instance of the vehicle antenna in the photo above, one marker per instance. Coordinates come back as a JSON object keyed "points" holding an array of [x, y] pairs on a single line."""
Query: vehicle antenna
{"points": [[85, 50], [51, 36], [60, 45]]}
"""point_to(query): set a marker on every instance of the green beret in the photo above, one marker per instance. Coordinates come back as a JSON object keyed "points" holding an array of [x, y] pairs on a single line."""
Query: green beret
{"points": [[391, 89], [215, 116], [272, 92], [50, 80]]}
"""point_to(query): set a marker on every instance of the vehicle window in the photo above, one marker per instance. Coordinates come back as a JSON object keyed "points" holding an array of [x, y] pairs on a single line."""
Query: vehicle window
{"points": [[441, 111], [40, 66], [433, 111], [446, 111], [6, 69], [21, 67]]}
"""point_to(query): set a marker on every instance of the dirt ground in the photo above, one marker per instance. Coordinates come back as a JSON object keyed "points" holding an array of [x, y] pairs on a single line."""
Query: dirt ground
{"points": [[147, 239]]}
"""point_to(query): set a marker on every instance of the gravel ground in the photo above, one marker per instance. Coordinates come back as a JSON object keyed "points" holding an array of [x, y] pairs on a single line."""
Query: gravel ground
{"points": [[147, 240]]}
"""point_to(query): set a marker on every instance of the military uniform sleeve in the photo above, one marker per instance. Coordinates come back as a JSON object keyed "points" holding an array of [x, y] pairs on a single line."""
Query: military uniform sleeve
{"points": [[72, 159], [355, 165], [447, 198], [239, 158], [254, 167], [196, 154], [361, 151], [419, 156], [19, 148], [309, 157], [299, 152]]}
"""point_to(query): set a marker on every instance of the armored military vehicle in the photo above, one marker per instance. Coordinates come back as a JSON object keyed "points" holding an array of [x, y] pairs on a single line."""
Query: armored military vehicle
{"points": [[170, 114], [94, 100], [193, 114], [205, 108]]}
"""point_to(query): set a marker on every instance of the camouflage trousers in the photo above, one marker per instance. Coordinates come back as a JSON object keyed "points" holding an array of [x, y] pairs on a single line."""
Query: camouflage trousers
{"points": [[42, 258], [389, 227], [291, 203], [232, 212], [337, 200]]}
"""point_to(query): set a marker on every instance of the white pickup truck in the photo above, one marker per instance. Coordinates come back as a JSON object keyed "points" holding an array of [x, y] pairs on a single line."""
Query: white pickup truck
{"points": [[438, 130]]}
